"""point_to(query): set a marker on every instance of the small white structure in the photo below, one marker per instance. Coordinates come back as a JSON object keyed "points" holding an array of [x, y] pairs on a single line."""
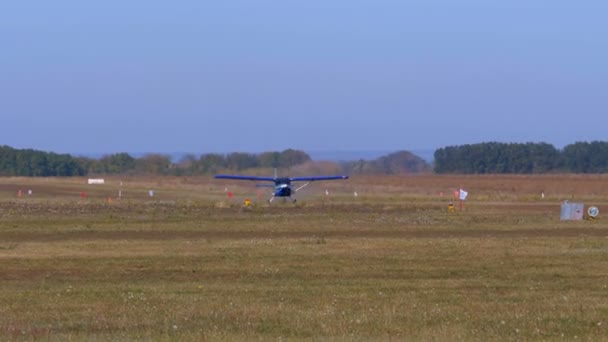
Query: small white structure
{"points": [[96, 181], [572, 211]]}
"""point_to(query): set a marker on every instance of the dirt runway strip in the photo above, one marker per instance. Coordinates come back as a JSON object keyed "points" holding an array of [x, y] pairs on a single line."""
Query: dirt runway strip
{"points": [[239, 235]]}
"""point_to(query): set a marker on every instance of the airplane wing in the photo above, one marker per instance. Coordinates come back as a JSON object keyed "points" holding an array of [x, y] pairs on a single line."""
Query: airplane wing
{"points": [[251, 178], [317, 178]]}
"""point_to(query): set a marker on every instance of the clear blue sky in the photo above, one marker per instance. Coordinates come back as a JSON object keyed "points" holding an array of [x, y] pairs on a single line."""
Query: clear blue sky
{"points": [[317, 75]]}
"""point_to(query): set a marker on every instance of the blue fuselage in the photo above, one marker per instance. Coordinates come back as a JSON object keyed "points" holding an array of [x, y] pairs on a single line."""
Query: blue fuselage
{"points": [[282, 191], [282, 187]]}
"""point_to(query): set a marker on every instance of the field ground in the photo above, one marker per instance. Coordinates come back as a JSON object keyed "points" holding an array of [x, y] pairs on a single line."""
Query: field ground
{"points": [[390, 263]]}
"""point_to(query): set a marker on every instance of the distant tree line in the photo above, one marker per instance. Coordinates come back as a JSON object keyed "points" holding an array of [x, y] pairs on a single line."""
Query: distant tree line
{"points": [[518, 158], [32, 163], [402, 162], [484, 158], [211, 163]]}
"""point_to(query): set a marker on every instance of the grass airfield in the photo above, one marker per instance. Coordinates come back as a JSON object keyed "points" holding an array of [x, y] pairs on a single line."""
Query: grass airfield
{"points": [[391, 263]]}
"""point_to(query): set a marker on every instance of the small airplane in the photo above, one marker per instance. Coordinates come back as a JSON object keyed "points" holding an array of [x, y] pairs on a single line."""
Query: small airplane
{"points": [[282, 185]]}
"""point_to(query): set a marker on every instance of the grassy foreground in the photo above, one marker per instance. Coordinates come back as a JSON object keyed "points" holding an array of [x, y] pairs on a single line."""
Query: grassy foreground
{"points": [[390, 264]]}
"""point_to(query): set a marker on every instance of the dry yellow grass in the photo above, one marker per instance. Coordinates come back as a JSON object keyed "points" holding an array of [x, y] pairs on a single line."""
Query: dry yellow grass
{"points": [[391, 263]]}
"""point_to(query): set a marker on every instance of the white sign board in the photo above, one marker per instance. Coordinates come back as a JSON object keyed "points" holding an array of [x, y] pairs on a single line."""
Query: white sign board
{"points": [[463, 195], [572, 211], [96, 181]]}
